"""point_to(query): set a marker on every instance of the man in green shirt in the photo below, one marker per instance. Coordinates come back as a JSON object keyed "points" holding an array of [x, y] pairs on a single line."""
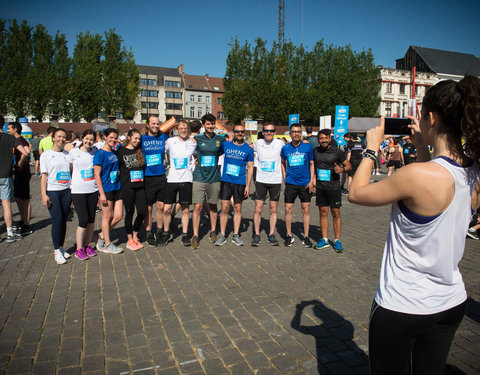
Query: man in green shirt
{"points": [[206, 177], [47, 142]]}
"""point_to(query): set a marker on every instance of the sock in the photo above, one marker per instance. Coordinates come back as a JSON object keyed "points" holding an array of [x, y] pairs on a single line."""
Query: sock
{"points": [[337, 239], [325, 239], [10, 231]]}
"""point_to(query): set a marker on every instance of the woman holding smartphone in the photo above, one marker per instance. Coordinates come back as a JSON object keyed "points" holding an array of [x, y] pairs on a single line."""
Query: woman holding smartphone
{"points": [[55, 188], [105, 166], [84, 194], [421, 298]]}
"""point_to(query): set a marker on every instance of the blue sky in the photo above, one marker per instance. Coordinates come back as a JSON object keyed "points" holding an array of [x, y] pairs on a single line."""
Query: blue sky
{"points": [[197, 33]]}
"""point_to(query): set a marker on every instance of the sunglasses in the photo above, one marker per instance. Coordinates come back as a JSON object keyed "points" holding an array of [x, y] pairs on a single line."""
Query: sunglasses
{"points": [[239, 131], [269, 131]]}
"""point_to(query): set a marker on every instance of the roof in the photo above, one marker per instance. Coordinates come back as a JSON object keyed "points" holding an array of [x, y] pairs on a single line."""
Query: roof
{"points": [[203, 83], [449, 62], [216, 82], [159, 71]]}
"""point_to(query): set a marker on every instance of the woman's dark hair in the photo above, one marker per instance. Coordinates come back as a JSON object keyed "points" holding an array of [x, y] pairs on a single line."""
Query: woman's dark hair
{"points": [[110, 131], [138, 149], [458, 106], [195, 126], [58, 130], [88, 132]]}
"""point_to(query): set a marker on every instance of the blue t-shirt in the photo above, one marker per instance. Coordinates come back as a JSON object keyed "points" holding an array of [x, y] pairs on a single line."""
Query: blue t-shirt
{"points": [[153, 149], [110, 175], [298, 163], [234, 164]]}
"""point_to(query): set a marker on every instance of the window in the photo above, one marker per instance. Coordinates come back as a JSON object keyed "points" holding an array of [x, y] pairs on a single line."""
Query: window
{"points": [[220, 116], [389, 87], [172, 84], [199, 113], [151, 93], [216, 88], [118, 114], [401, 90], [207, 109], [192, 98], [200, 98], [207, 99], [219, 101], [177, 107], [192, 111], [145, 116], [172, 94], [149, 82], [388, 109], [149, 105], [416, 90]]}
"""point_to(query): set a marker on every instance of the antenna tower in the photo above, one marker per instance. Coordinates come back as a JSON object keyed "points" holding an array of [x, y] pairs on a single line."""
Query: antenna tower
{"points": [[281, 22]]}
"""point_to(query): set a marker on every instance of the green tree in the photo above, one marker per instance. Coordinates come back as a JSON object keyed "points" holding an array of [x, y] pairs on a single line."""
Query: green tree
{"points": [[60, 77], [86, 89], [17, 62], [40, 76], [3, 73]]}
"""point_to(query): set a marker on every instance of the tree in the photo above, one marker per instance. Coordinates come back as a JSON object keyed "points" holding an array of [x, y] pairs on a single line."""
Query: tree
{"points": [[40, 75], [3, 73], [86, 90], [60, 77]]}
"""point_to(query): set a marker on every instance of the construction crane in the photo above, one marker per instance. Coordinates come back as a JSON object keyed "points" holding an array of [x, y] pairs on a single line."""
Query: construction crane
{"points": [[281, 22]]}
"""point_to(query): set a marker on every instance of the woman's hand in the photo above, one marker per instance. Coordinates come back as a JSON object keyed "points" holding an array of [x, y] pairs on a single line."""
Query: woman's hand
{"points": [[103, 199], [417, 138], [45, 200], [375, 136]]}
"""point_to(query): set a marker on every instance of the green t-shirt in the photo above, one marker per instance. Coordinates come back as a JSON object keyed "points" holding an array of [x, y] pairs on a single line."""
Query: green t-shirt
{"points": [[208, 152], [45, 144]]}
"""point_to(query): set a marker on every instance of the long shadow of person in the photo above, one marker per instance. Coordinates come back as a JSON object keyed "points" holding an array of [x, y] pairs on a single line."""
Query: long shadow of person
{"points": [[335, 349]]}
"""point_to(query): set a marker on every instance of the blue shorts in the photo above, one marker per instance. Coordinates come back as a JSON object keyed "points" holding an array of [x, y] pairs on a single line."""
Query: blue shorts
{"points": [[6, 188]]}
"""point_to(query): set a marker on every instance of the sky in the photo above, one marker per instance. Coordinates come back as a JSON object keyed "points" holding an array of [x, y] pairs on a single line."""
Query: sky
{"points": [[197, 33]]}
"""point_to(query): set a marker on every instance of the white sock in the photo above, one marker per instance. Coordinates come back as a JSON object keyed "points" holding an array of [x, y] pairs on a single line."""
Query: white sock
{"points": [[336, 239], [325, 239], [10, 231]]}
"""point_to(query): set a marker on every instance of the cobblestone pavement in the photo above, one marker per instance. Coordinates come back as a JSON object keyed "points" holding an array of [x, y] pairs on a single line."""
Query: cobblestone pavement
{"points": [[215, 310]]}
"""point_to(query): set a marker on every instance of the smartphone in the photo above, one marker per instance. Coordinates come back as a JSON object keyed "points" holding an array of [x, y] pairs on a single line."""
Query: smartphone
{"points": [[49, 204], [397, 126]]}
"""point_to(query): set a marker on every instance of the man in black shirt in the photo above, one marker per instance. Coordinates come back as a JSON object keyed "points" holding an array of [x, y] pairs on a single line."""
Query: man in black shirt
{"points": [[409, 152], [329, 163], [354, 155]]}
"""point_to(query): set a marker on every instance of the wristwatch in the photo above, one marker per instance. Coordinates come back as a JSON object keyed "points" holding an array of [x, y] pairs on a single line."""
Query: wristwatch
{"points": [[371, 152]]}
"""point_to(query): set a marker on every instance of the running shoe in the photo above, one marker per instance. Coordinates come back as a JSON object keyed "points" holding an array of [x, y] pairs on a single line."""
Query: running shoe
{"points": [[132, 245], [256, 240], [65, 253], [100, 244], [272, 240], [81, 254], [139, 244], [59, 257], [195, 242], [164, 239], [213, 237], [289, 240], [220, 240], [151, 241], [14, 237], [322, 244], [306, 242], [337, 246], [112, 249], [90, 251], [17, 226], [26, 230], [158, 236], [472, 233], [186, 241], [237, 241]]}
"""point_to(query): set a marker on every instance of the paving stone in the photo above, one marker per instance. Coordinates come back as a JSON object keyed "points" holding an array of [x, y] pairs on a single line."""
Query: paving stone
{"points": [[93, 363], [20, 365], [45, 368]]}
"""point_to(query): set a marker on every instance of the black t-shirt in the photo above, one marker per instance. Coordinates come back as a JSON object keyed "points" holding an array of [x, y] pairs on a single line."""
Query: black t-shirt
{"points": [[356, 150], [25, 169], [7, 144], [408, 150], [132, 174], [325, 160]]}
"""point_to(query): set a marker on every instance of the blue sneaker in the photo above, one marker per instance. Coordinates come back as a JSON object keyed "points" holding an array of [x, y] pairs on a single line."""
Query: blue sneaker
{"points": [[322, 244], [337, 246]]}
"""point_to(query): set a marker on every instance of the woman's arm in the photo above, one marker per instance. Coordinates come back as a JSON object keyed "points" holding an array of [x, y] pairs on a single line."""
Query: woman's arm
{"points": [[43, 188], [97, 169]]}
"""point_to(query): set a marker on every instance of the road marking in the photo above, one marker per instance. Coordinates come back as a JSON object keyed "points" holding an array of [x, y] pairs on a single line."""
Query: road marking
{"points": [[139, 369], [188, 362], [200, 353]]}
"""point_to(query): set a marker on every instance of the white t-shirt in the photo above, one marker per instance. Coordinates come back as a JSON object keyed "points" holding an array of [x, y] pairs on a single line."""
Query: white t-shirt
{"points": [[268, 160], [182, 162], [99, 145], [83, 178], [57, 166]]}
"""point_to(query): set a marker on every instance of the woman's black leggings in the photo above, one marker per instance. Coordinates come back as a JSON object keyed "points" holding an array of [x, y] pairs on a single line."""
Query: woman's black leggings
{"points": [[416, 343], [59, 211], [134, 198], [85, 205]]}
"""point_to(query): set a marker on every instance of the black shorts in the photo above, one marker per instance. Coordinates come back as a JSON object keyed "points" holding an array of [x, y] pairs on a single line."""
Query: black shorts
{"points": [[273, 191], [114, 195], [21, 186], [227, 190], [155, 187], [36, 155], [355, 163], [293, 191], [184, 191], [395, 163], [329, 198]]}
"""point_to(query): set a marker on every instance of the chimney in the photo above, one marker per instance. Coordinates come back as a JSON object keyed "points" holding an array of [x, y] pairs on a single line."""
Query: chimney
{"points": [[207, 76], [180, 69]]}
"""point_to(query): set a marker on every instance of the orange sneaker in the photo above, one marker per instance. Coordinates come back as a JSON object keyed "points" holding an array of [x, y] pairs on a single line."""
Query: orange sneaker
{"points": [[132, 245], [137, 241]]}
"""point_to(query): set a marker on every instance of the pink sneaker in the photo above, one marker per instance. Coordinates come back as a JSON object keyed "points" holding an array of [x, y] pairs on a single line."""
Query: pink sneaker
{"points": [[90, 251], [132, 245], [80, 254], [137, 241]]}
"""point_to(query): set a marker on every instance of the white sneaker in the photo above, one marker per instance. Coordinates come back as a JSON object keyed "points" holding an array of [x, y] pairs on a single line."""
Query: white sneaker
{"points": [[112, 249], [65, 253], [59, 257]]}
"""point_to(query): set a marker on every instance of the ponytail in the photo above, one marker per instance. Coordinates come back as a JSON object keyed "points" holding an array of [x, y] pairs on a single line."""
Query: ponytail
{"points": [[469, 88]]}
